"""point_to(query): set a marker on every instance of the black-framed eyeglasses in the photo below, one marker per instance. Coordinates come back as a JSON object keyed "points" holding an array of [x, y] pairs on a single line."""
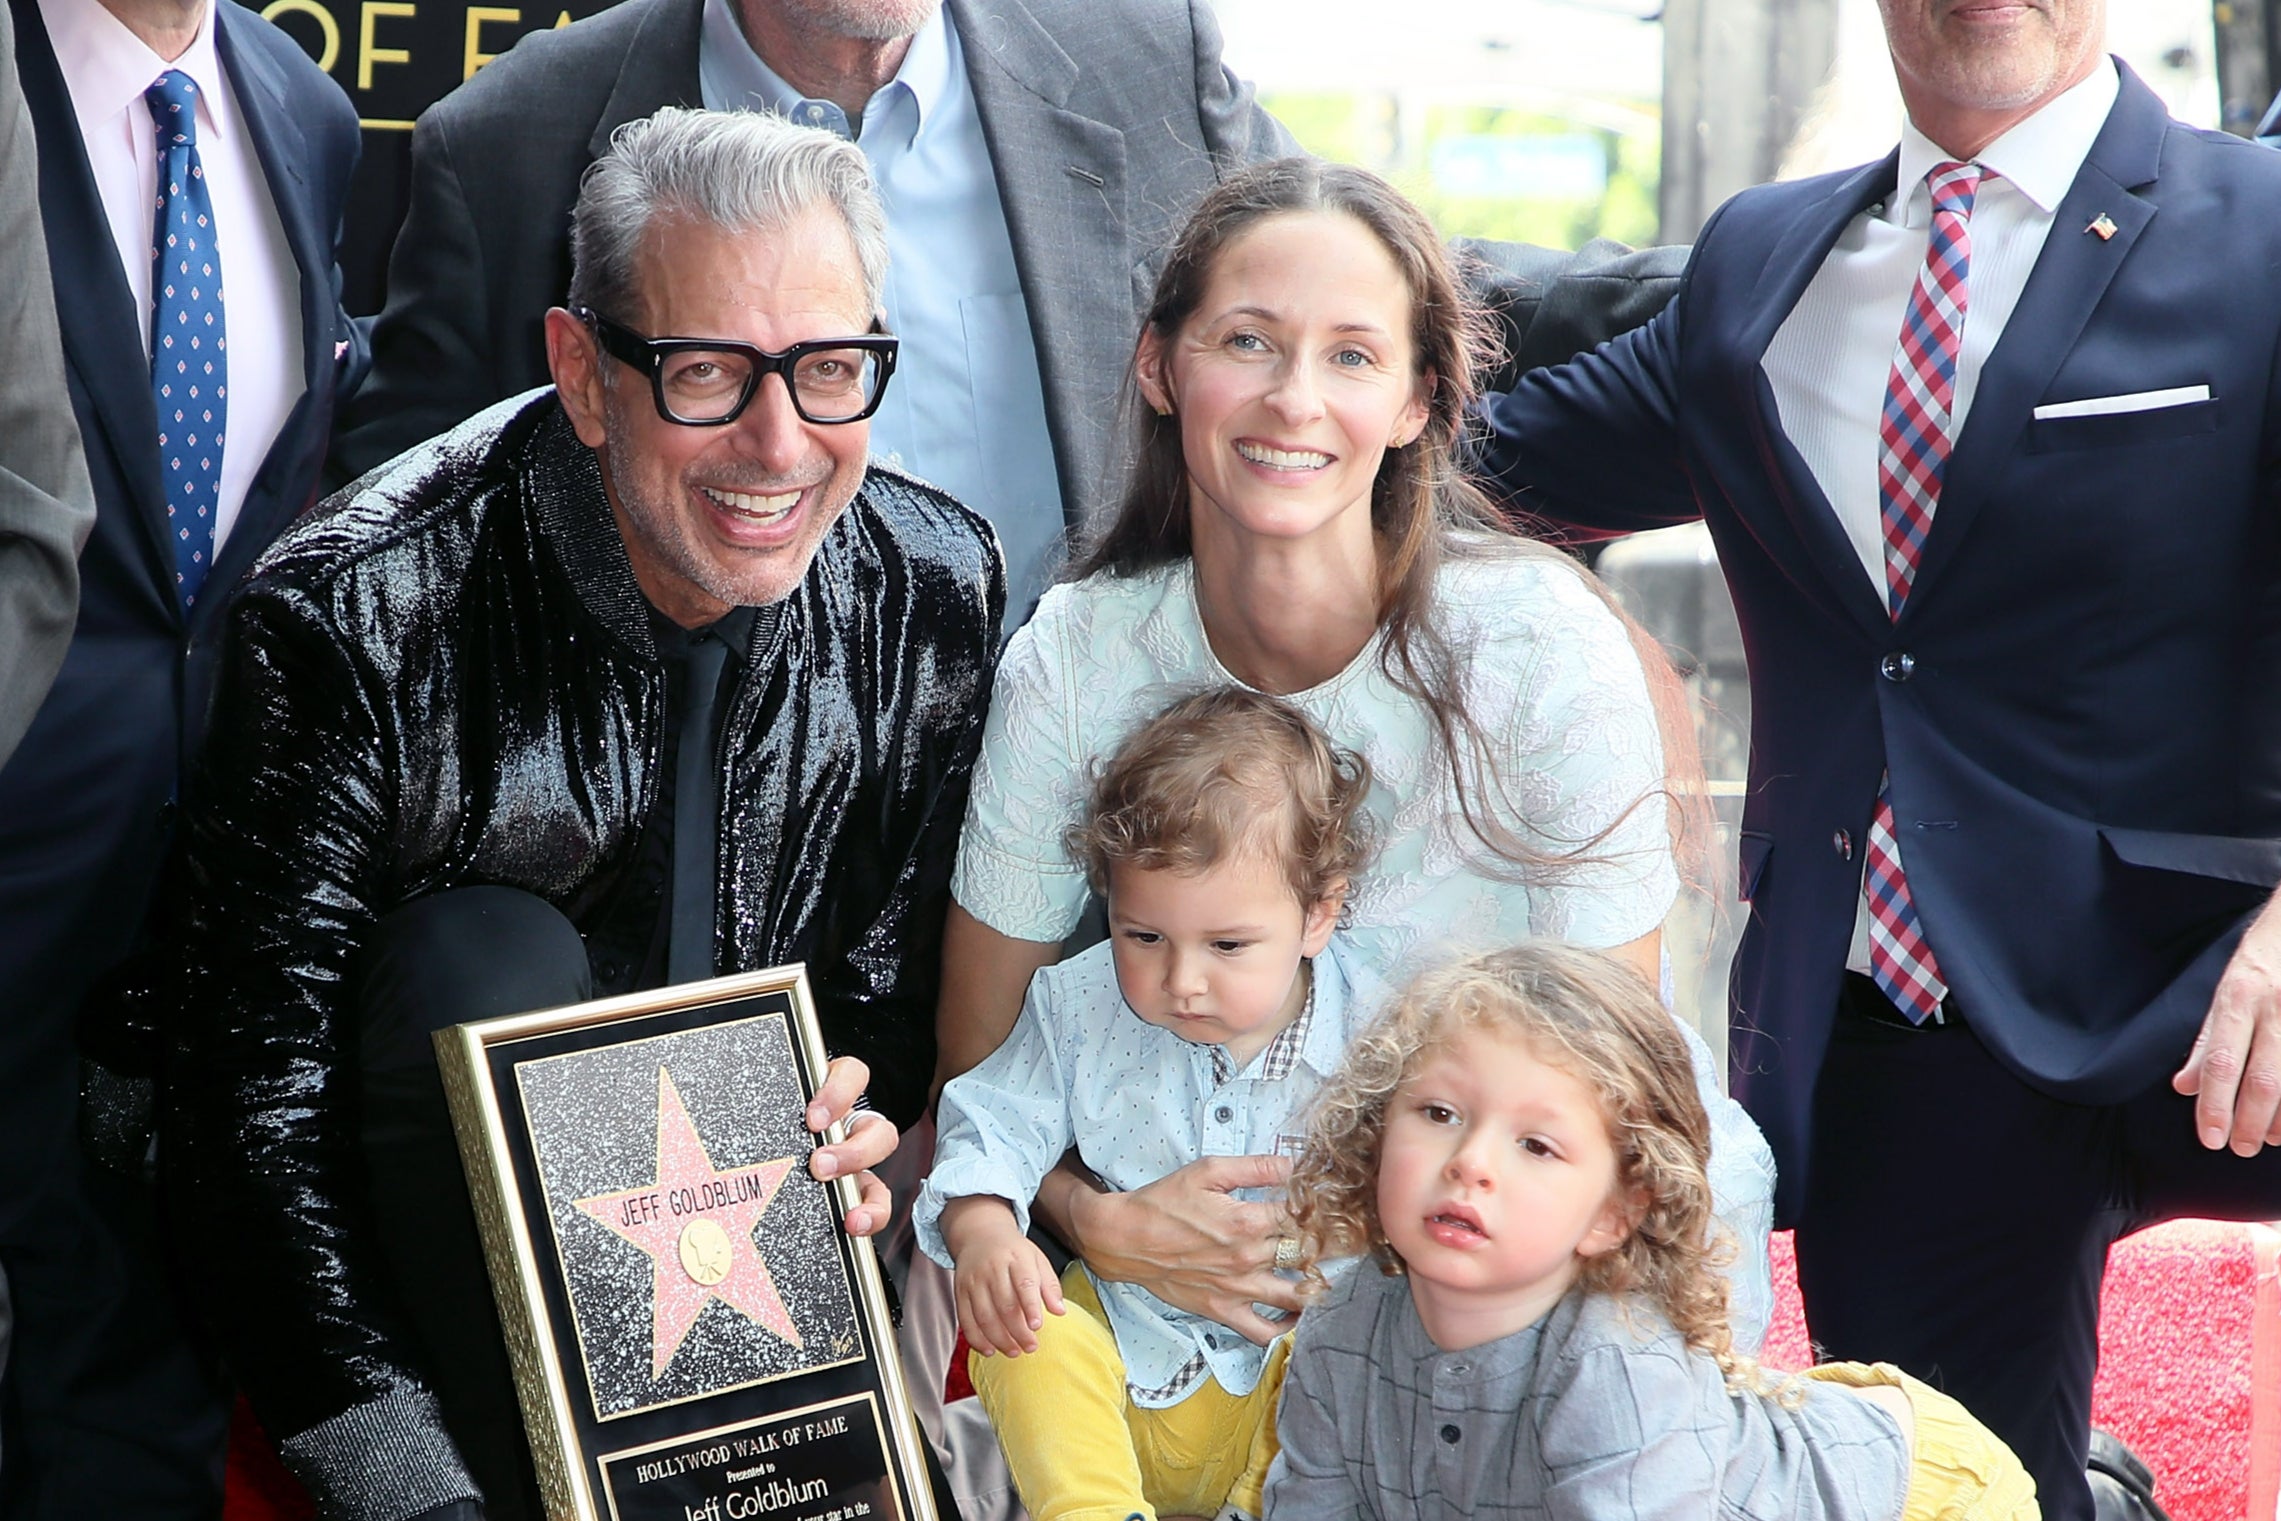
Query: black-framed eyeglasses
{"points": [[708, 382]]}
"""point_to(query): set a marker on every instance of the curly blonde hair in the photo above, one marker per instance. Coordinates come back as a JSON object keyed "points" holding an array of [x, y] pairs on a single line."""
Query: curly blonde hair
{"points": [[1595, 1019], [1222, 771]]}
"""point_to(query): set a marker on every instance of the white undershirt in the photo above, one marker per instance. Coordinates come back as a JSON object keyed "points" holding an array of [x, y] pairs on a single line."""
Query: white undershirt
{"points": [[106, 67], [1829, 362]]}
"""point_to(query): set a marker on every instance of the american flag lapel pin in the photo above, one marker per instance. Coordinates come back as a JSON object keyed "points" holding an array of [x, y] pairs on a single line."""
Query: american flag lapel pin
{"points": [[2103, 225]]}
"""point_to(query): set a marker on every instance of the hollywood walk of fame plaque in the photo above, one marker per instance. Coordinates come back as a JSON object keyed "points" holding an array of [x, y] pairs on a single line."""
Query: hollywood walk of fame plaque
{"points": [[694, 1337]]}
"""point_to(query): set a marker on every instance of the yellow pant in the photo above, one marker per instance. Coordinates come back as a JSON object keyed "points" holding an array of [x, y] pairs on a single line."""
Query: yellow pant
{"points": [[1080, 1450], [1958, 1469]]}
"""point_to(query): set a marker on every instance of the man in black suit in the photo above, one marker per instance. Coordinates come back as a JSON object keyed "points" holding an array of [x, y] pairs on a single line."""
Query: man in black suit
{"points": [[104, 1407]]}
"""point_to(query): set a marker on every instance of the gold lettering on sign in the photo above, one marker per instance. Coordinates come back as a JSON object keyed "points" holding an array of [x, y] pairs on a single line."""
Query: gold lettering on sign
{"points": [[325, 24], [367, 54], [478, 16]]}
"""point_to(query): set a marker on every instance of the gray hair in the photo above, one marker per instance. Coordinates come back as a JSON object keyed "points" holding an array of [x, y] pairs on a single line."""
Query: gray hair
{"points": [[742, 171]]}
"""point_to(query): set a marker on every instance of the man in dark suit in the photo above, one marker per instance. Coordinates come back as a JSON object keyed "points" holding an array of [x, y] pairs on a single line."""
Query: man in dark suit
{"points": [[103, 1404], [1035, 157], [2011, 594]]}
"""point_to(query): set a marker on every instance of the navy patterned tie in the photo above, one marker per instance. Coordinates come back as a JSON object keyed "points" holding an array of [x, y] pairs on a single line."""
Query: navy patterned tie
{"points": [[189, 348]]}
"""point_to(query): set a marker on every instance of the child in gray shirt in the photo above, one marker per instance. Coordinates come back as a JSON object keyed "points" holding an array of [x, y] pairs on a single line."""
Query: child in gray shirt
{"points": [[1520, 1146]]}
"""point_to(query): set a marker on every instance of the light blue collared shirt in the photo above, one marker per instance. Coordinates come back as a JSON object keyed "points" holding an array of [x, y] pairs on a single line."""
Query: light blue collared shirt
{"points": [[1138, 1102], [966, 410]]}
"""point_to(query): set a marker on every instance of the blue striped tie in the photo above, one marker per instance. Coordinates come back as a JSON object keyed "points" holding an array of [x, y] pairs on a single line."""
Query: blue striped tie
{"points": [[190, 378]]}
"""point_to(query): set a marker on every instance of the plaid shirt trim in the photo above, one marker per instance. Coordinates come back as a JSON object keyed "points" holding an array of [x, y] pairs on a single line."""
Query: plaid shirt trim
{"points": [[1282, 1053], [1183, 1378]]}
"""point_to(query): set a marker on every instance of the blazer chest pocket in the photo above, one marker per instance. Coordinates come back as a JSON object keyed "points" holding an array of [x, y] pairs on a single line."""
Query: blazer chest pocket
{"points": [[2111, 430]]}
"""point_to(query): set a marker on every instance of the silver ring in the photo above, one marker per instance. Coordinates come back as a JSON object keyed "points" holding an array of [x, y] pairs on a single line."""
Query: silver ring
{"points": [[1286, 1253]]}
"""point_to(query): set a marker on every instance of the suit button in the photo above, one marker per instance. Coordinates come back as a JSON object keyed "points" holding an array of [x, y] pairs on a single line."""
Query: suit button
{"points": [[166, 815], [1898, 666], [1842, 843]]}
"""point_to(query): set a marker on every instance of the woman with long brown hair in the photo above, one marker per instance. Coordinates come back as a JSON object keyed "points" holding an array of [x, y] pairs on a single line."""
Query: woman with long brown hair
{"points": [[1296, 523]]}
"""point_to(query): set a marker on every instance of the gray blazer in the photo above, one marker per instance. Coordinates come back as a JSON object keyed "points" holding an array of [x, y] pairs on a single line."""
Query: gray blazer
{"points": [[1105, 122], [46, 504]]}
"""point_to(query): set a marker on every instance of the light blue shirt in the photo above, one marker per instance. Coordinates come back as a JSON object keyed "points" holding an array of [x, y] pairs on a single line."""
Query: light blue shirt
{"points": [[1138, 1102], [966, 409]]}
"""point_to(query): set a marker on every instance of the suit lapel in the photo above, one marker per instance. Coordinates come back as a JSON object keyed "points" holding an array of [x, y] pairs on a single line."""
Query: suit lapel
{"points": [[282, 149], [661, 69], [1062, 180], [279, 143], [1798, 255], [2071, 276], [95, 308]]}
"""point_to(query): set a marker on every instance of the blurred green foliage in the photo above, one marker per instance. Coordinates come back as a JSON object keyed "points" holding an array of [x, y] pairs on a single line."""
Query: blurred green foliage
{"points": [[1364, 129]]}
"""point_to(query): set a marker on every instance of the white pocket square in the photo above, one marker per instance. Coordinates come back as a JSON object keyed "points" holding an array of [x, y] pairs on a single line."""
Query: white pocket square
{"points": [[2135, 401]]}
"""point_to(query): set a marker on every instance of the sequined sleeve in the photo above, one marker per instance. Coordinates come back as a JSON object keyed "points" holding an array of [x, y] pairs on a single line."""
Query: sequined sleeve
{"points": [[291, 810]]}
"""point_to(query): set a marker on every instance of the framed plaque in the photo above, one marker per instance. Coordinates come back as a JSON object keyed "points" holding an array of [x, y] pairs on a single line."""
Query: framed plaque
{"points": [[694, 1337]]}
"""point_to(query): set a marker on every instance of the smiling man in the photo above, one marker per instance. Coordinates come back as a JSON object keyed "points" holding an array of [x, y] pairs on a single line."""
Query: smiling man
{"points": [[636, 680]]}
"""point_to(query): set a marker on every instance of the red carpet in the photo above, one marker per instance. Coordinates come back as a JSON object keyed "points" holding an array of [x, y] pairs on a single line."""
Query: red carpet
{"points": [[2190, 1361], [2190, 1373]]}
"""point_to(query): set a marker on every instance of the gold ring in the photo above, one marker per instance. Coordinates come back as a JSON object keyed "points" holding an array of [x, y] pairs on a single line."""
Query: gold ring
{"points": [[1286, 1253]]}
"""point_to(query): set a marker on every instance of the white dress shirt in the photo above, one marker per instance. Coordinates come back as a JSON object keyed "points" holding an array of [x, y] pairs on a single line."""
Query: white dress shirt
{"points": [[107, 68], [1830, 361], [967, 406]]}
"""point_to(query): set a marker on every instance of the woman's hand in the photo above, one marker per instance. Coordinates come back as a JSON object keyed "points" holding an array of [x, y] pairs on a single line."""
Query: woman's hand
{"points": [[1003, 1283], [870, 1140], [1186, 1238]]}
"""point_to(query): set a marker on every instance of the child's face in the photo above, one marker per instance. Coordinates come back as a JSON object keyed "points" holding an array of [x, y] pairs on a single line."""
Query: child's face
{"points": [[1214, 956], [1496, 1180]]}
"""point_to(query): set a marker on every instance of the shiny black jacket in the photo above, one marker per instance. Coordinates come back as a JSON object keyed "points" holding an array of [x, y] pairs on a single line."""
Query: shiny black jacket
{"points": [[445, 676]]}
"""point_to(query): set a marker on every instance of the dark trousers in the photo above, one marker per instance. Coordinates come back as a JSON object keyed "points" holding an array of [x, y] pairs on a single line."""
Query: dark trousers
{"points": [[107, 1404], [1956, 1222], [472, 953]]}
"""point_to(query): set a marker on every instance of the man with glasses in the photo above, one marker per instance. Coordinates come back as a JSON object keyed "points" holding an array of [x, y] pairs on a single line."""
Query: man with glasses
{"points": [[638, 680]]}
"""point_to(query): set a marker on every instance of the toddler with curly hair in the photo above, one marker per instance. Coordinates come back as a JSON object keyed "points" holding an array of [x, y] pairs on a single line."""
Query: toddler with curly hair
{"points": [[1520, 1146], [1223, 834]]}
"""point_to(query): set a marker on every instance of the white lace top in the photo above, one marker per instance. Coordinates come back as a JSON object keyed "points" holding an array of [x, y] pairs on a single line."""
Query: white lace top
{"points": [[1553, 682]]}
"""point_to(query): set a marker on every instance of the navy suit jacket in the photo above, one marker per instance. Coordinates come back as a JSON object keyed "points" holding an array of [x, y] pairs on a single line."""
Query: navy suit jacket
{"points": [[87, 801], [2085, 739]]}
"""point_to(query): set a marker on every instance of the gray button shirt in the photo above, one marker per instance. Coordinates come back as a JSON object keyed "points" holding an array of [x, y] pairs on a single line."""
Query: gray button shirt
{"points": [[1597, 1410]]}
